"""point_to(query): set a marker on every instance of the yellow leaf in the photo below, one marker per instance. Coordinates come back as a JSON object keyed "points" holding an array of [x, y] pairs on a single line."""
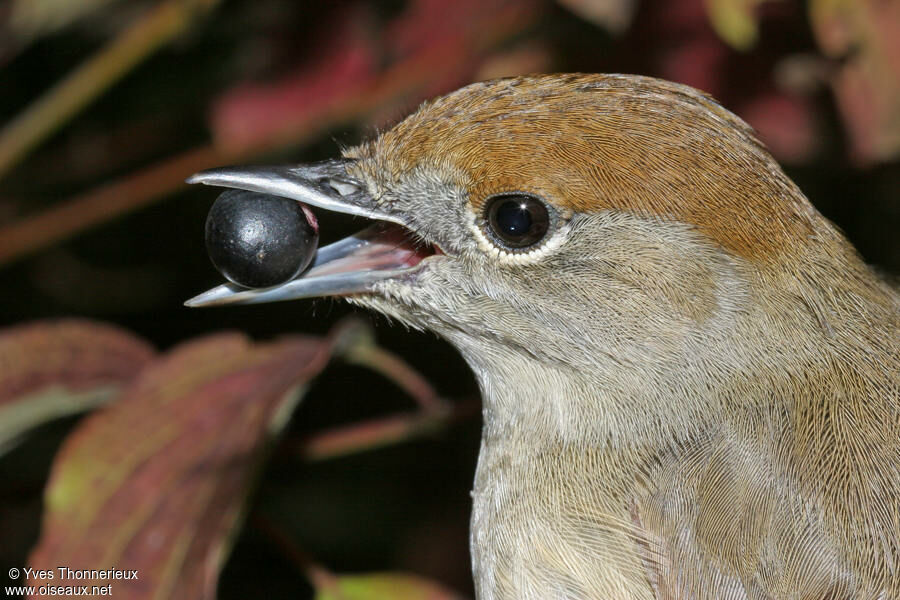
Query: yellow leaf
{"points": [[381, 586], [734, 21]]}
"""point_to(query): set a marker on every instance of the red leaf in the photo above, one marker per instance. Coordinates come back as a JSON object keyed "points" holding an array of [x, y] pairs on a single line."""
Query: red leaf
{"points": [[866, 36], [250, 115], [786, 124], [156, 482], [431, 48], [52, 368]]}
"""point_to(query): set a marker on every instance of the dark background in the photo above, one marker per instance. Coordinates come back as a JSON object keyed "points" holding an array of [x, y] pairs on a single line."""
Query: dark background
{"points": [[810, 84]]}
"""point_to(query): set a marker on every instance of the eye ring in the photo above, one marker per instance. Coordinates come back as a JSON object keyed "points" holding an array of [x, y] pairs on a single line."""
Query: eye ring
{"points": [[517, 221]]}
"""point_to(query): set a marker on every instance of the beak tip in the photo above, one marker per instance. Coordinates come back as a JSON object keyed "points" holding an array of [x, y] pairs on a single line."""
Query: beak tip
{"points": [[227, 293], [200, 177], [207, 298]]}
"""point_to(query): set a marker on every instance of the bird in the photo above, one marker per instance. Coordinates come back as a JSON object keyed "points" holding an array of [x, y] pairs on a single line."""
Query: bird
{"points": [[690, 377]]}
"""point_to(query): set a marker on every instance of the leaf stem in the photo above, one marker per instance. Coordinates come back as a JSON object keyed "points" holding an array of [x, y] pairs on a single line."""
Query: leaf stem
{"points": [[94, 76]]}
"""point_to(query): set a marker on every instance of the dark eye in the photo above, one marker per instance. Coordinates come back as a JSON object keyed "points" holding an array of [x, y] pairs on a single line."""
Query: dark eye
{"points": [[517, 220]]}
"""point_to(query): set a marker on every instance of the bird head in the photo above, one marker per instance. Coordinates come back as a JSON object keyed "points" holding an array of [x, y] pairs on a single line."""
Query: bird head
{"points": [[609, 253]]}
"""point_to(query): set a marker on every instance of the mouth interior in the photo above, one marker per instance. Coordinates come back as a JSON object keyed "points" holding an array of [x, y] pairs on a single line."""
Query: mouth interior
{"points": [[406, 244], [382, 247]]}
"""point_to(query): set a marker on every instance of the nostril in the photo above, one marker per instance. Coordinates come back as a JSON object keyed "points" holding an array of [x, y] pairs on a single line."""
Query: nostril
{"points": [[342, 187]]}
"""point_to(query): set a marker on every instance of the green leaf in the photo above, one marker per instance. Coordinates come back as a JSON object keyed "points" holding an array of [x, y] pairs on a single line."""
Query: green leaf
{"points": [[381, 586], [51, 369], [157, 481]]}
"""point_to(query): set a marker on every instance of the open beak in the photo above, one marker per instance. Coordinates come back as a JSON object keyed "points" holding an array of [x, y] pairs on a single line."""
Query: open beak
{"points": [[385, 250]]}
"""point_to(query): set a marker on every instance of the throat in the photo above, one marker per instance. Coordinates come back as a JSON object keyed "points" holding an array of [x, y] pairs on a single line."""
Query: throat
{"points": [[534, 403], [614, 408]]}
